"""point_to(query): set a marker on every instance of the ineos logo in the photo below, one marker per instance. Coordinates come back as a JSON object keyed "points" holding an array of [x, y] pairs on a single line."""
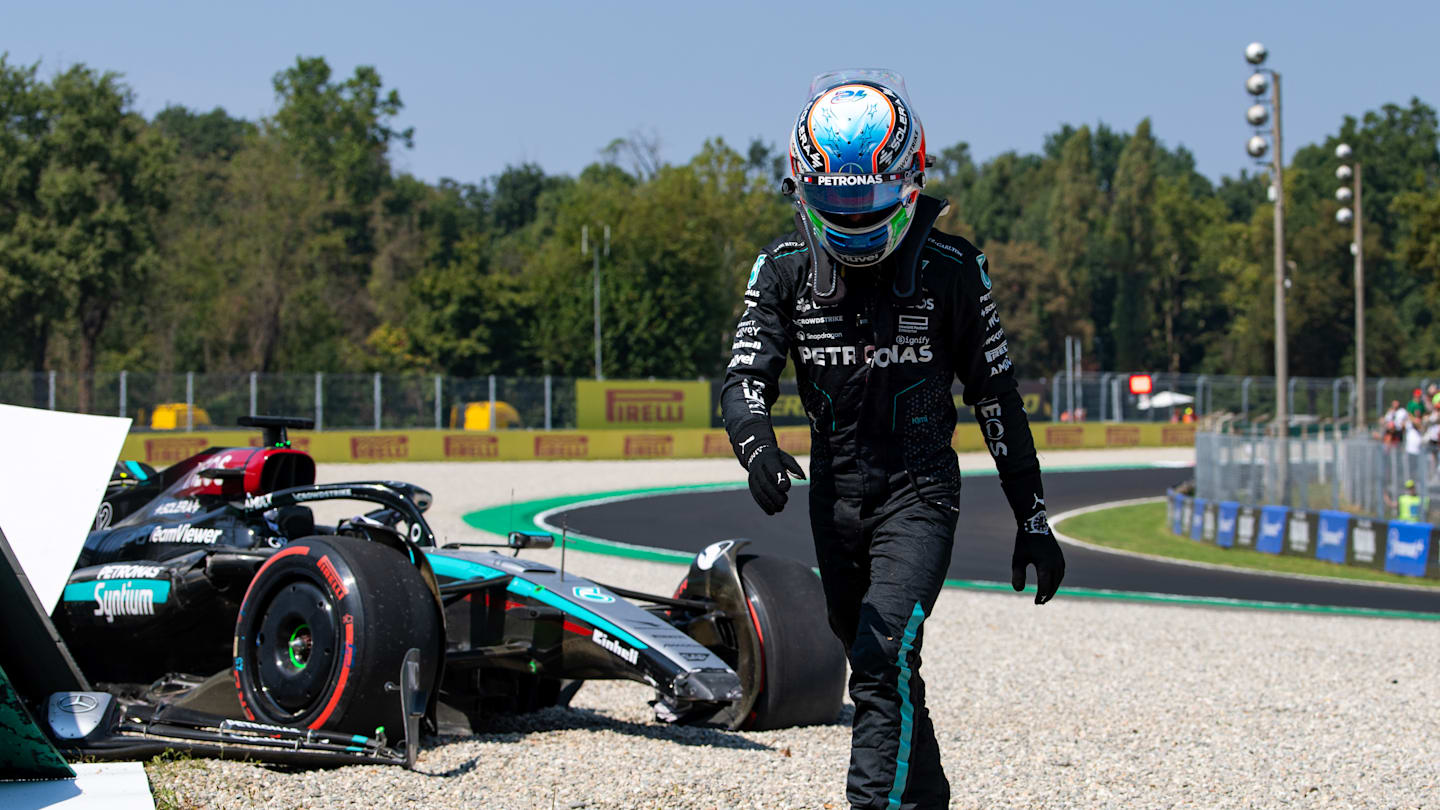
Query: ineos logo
{"points": [[77, 704]]}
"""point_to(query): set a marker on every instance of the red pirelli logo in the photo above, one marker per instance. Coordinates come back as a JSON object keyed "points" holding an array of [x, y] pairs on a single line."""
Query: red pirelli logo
{"points": [[1179, 434], [373, 448], [717, 445], [1122, 436], [562, 446], [472, 447], [794, 442], [649, 446], [1068, 436], [172, 449], [645, 405]]}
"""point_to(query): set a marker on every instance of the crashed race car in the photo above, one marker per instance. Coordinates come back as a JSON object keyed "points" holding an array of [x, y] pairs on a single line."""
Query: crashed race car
{"points": [[222, 617]]}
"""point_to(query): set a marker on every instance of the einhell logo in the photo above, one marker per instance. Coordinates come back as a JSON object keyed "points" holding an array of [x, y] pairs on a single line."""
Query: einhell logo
{"points": [[1071, 436], [1122, 437], [562, 446], [717, 444], [657, 446], [472, 447], [171, 450], [645, 405], [375, 448]]}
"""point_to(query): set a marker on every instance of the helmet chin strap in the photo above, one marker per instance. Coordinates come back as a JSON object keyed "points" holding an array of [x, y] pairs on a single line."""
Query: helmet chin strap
{"points": [[828, 286]]}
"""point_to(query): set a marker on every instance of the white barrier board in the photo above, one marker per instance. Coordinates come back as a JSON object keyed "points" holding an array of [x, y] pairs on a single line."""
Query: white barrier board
{"points": [[55, 469], [96, 786]]}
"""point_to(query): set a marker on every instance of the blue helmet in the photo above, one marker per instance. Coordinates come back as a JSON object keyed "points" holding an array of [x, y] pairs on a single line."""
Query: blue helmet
{"points": [[857, 154]]}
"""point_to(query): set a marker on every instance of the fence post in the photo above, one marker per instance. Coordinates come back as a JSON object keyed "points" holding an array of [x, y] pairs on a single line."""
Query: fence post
{"points": [[1335, 399], [438, 393], [51, 398], [319, 400], [377, 400], [547, 402], [494, 423], [1054, 397], [189, 401], [254, 379], [123, 391], [1200, 396], [1380, 396], [1245, 398]]}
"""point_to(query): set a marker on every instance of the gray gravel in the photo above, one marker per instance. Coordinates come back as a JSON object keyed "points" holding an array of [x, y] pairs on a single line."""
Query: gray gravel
{"points": [[1076, 704]]}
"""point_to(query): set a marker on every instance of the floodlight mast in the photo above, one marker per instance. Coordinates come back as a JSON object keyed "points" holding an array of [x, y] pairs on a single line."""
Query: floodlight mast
{"points": [[1255, 85], [1357, 249]]}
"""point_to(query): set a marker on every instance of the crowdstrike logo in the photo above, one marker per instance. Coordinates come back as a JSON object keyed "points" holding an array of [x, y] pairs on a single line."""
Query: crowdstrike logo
{"points": [[1271, 529], [1332, 537]]}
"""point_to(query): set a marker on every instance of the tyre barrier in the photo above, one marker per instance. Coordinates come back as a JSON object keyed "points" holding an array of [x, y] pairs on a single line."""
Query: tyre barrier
{"points": [[1396, 546]]}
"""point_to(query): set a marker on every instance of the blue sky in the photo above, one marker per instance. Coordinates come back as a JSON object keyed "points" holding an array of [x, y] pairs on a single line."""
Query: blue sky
{"points": [[487, 85]]}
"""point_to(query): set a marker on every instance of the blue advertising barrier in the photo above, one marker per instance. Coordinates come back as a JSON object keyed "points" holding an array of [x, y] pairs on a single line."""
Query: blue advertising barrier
{"points": [[1197, 519], [1407, 548], [1177, 509], [1271, 538], [1333, 539], [1228, 513]]}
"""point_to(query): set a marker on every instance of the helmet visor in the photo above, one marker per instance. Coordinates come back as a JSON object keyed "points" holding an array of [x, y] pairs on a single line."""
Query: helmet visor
{"points": [[853, 193]]}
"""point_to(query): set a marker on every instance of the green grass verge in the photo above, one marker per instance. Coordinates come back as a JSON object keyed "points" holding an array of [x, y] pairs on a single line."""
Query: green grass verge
{"points": [[1142, 528]]}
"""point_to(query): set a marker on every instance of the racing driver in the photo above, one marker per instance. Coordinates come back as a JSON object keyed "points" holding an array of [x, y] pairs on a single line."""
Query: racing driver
{"points": [[880, 312]]}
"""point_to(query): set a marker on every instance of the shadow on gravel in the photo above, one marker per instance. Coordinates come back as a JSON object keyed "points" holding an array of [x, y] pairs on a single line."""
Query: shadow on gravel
{"points": [[511, 729]]}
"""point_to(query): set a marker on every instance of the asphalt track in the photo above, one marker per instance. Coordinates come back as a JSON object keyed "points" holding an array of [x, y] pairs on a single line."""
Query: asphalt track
{"points": [[689, 521]]}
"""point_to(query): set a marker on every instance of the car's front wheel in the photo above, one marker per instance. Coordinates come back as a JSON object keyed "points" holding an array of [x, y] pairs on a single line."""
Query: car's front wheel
{"points": [[324, 627]]}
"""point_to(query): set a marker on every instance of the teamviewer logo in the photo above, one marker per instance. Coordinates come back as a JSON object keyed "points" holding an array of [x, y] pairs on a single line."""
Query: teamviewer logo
{"points": [[645, 406]]}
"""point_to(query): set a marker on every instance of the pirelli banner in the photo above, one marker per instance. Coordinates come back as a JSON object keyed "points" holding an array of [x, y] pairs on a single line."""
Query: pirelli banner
{"points": [[628, 404], [1399, 547]]}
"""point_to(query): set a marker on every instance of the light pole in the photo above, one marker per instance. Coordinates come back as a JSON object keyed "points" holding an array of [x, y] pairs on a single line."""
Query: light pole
{"points": [[1357, 249], [584, 250], [1256, 85]]}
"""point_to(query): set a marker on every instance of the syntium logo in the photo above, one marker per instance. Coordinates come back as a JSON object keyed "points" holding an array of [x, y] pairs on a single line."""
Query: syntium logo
{"points": [[126, 597], [646, 405]]}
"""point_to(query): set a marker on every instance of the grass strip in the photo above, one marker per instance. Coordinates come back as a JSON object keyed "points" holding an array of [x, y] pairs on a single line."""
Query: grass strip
{"points": [[1142, 528]]}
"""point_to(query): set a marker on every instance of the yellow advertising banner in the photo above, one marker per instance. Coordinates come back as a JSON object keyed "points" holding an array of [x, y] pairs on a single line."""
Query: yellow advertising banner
{"points": [[163, 449], [646, 404]]}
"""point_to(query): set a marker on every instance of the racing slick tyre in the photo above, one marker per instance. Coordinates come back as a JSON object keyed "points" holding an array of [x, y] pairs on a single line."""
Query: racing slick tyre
{"points": [[324, 627], [802, 680]]}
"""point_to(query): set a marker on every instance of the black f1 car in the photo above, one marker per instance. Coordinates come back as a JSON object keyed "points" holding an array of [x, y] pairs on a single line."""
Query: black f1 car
{"points": [[223, 617]]}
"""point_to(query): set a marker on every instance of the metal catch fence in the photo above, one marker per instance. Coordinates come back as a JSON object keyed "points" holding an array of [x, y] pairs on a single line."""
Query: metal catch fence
{"points": [[1323, 468]]}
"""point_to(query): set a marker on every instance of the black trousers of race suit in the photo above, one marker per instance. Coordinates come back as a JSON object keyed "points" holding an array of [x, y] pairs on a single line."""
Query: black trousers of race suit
{"points": [[882, 562]]}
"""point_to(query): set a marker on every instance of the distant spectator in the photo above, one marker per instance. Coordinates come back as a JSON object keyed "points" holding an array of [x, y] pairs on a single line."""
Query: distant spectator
{"points": [[1414, 442], [1393, 423], [1433, 393], [1416, 405], [1432, 438], [1409, 506]]}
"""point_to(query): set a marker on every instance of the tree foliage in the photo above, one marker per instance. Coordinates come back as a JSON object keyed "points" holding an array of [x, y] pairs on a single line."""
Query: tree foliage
{"points": [[201, 241]]}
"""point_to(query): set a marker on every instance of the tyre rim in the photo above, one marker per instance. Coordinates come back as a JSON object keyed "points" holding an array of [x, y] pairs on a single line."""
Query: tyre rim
{"points": [[295, 648]]}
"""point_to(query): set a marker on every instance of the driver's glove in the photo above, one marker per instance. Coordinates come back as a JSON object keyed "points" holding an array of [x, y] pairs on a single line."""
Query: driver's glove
{"points": [[1034, 542], [770, 471]]}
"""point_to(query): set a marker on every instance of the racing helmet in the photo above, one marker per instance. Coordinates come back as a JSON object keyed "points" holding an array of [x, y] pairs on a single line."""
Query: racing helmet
{"points": [[857, 156]]}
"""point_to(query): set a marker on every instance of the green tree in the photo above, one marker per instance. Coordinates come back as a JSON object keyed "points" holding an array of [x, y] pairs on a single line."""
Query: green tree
{"points": [[30, 300], [1131, 248]]}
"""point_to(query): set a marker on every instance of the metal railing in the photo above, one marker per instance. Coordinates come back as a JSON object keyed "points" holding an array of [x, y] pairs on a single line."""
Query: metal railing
{"points": [[1326, 469], [335, 401], [383, 401]]}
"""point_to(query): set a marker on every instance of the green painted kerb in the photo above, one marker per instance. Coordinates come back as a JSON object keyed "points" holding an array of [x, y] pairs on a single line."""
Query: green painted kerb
{"points": [[500, 520]]}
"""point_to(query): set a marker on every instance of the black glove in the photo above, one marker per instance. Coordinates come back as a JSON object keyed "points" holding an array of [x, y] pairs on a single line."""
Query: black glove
{"points": [[1034, 542], [770, 470]]}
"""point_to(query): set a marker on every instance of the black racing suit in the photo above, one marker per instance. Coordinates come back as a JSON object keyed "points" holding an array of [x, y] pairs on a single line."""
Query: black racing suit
{"points": [[874, 370]]}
